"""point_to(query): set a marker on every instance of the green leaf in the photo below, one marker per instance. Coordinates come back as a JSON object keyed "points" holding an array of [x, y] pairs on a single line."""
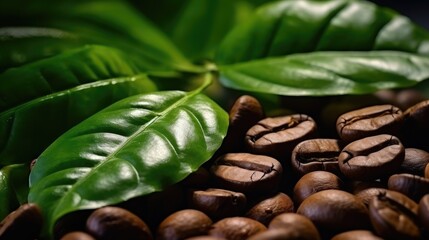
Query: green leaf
{"points": [[43, 99], [134, 147], [328, 73], [112, 23], [197, 26], [13, 187], [303, 27], [21, 45]]}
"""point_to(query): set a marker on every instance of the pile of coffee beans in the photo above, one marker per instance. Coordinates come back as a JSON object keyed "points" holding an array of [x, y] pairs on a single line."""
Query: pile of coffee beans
{"points": [[280, 177]]}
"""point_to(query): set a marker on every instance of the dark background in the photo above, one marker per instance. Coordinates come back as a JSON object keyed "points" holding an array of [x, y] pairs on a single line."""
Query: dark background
{"points": [[417, 10]]}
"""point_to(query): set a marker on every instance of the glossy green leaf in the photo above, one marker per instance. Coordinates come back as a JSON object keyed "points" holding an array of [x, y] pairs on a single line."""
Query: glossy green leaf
{"points": [[134, 147], [43, 99], [21, 45], [302, 27], [112, 23], [197, 26], [13, 187], [328, 73]]}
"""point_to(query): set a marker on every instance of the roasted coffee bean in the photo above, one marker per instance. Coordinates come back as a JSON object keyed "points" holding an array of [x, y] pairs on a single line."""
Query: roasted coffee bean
{"points": [[371, 157], [423, 212], [77, 236], [247, 173], [184, 224], [357, 186], [218, 203], [276, 234], [369, 121], [415, 161], [416, 126], [394, 216], [335, 211], [116, 223], [265, 210], [23, 223], [299, 226], [368, 194], [357, 235], [245, 113], [205, 237], [236, 228], [316, 154], [413, 186], [278, 136], [314, 182]]}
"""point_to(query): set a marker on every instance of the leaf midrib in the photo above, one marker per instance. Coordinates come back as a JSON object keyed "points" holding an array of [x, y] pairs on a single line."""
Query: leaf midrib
{"points": [[110, 156]]}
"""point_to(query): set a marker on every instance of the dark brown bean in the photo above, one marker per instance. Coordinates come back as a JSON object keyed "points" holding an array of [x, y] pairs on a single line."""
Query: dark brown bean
{"points": [[205, 237], [314, 182], [23, 223], [412, 186], [247, 173], [416, 125], [369, 121], [236, 228], [277, 234], [371, 157], [394, 216], [278, 136], [368, 194], [245, 113], [116, 223], [357, 235], [335, 211], [184, 224], [415, 161], [357, 186], [218, 203], [423, 212], [77, 236], [300, 226], [265, 210], [316, 154]]}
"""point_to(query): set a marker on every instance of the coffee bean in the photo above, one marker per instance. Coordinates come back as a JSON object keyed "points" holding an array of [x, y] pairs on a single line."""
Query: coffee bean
{"points": [[335, 211], [265, 210], [371, 157], [184, 224], [369, 121], [298, 225], [357, 186], [314, 182], [247, 173], [415, 161], [276, 234], [412, 186], [218, 203], [236, 228], [394, 216], [316, 154], [368, 194], [116, 223], [415, 125], [357, 235], [278, 136], [423, 212], [245, 113], [23, 223], [205, 237], [77, 236]]}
